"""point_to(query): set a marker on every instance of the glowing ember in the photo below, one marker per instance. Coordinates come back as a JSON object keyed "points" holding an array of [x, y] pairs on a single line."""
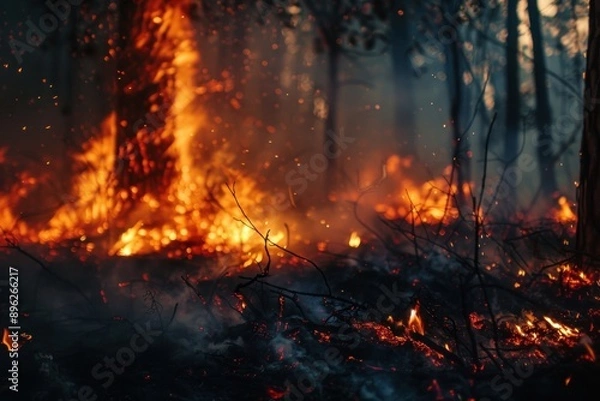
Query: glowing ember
{"points": [[435, 387], [415, 324], [562, 329], [275, 394], [383, 333], [570, 277], [548, 331], [586, 341], [354, 241]]}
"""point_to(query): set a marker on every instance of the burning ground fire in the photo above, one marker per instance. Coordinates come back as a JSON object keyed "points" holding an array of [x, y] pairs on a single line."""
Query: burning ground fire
{"points": [[197, 208], [532, 330], [528, 330], [395, 332]]}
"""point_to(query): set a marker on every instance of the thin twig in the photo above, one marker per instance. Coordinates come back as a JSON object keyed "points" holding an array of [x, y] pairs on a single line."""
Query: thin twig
{"points": [[248, 223]]}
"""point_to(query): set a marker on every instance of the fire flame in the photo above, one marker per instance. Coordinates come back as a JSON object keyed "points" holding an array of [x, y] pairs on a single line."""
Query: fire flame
{"points": [[570, 277], [354, 241], [425, 203], [6, 340], [8, 218], [564, 213], [94, 202], [415, 324], [562, 329], [196, 208], [548, 331]]}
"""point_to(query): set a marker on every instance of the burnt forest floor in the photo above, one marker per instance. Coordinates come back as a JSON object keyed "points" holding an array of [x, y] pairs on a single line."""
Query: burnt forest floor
{"points": [[335, 327]]}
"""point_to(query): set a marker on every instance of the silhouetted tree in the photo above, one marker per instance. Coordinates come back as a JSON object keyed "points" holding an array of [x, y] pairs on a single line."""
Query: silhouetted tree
{"points": [[588, 224], [543, 112], [401, 41], [455, 61], [144, 51], [345, 28], [513, 98]]}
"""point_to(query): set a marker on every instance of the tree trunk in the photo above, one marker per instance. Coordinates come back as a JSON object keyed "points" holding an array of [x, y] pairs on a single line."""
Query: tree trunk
{"points": [[577, 58], [67, 42], [271, 104], [460, 157], [333, 88], [404, 119], [143, 56], [588, 214], [543, 112], [238, 44], [513, 107]]}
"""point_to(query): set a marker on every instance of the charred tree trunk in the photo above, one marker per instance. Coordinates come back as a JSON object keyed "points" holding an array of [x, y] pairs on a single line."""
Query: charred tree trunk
{"points": [[270, 102], [404, 120], [460, 157], [513, 107], [143, 164], [588, 213], [332, 35], [223, 55], [333, 88], [577, 58], [67, 43], [543, 113]]}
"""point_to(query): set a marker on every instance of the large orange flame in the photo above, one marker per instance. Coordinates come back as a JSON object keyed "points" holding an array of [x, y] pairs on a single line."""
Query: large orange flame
{"points": [[196, 208]]}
